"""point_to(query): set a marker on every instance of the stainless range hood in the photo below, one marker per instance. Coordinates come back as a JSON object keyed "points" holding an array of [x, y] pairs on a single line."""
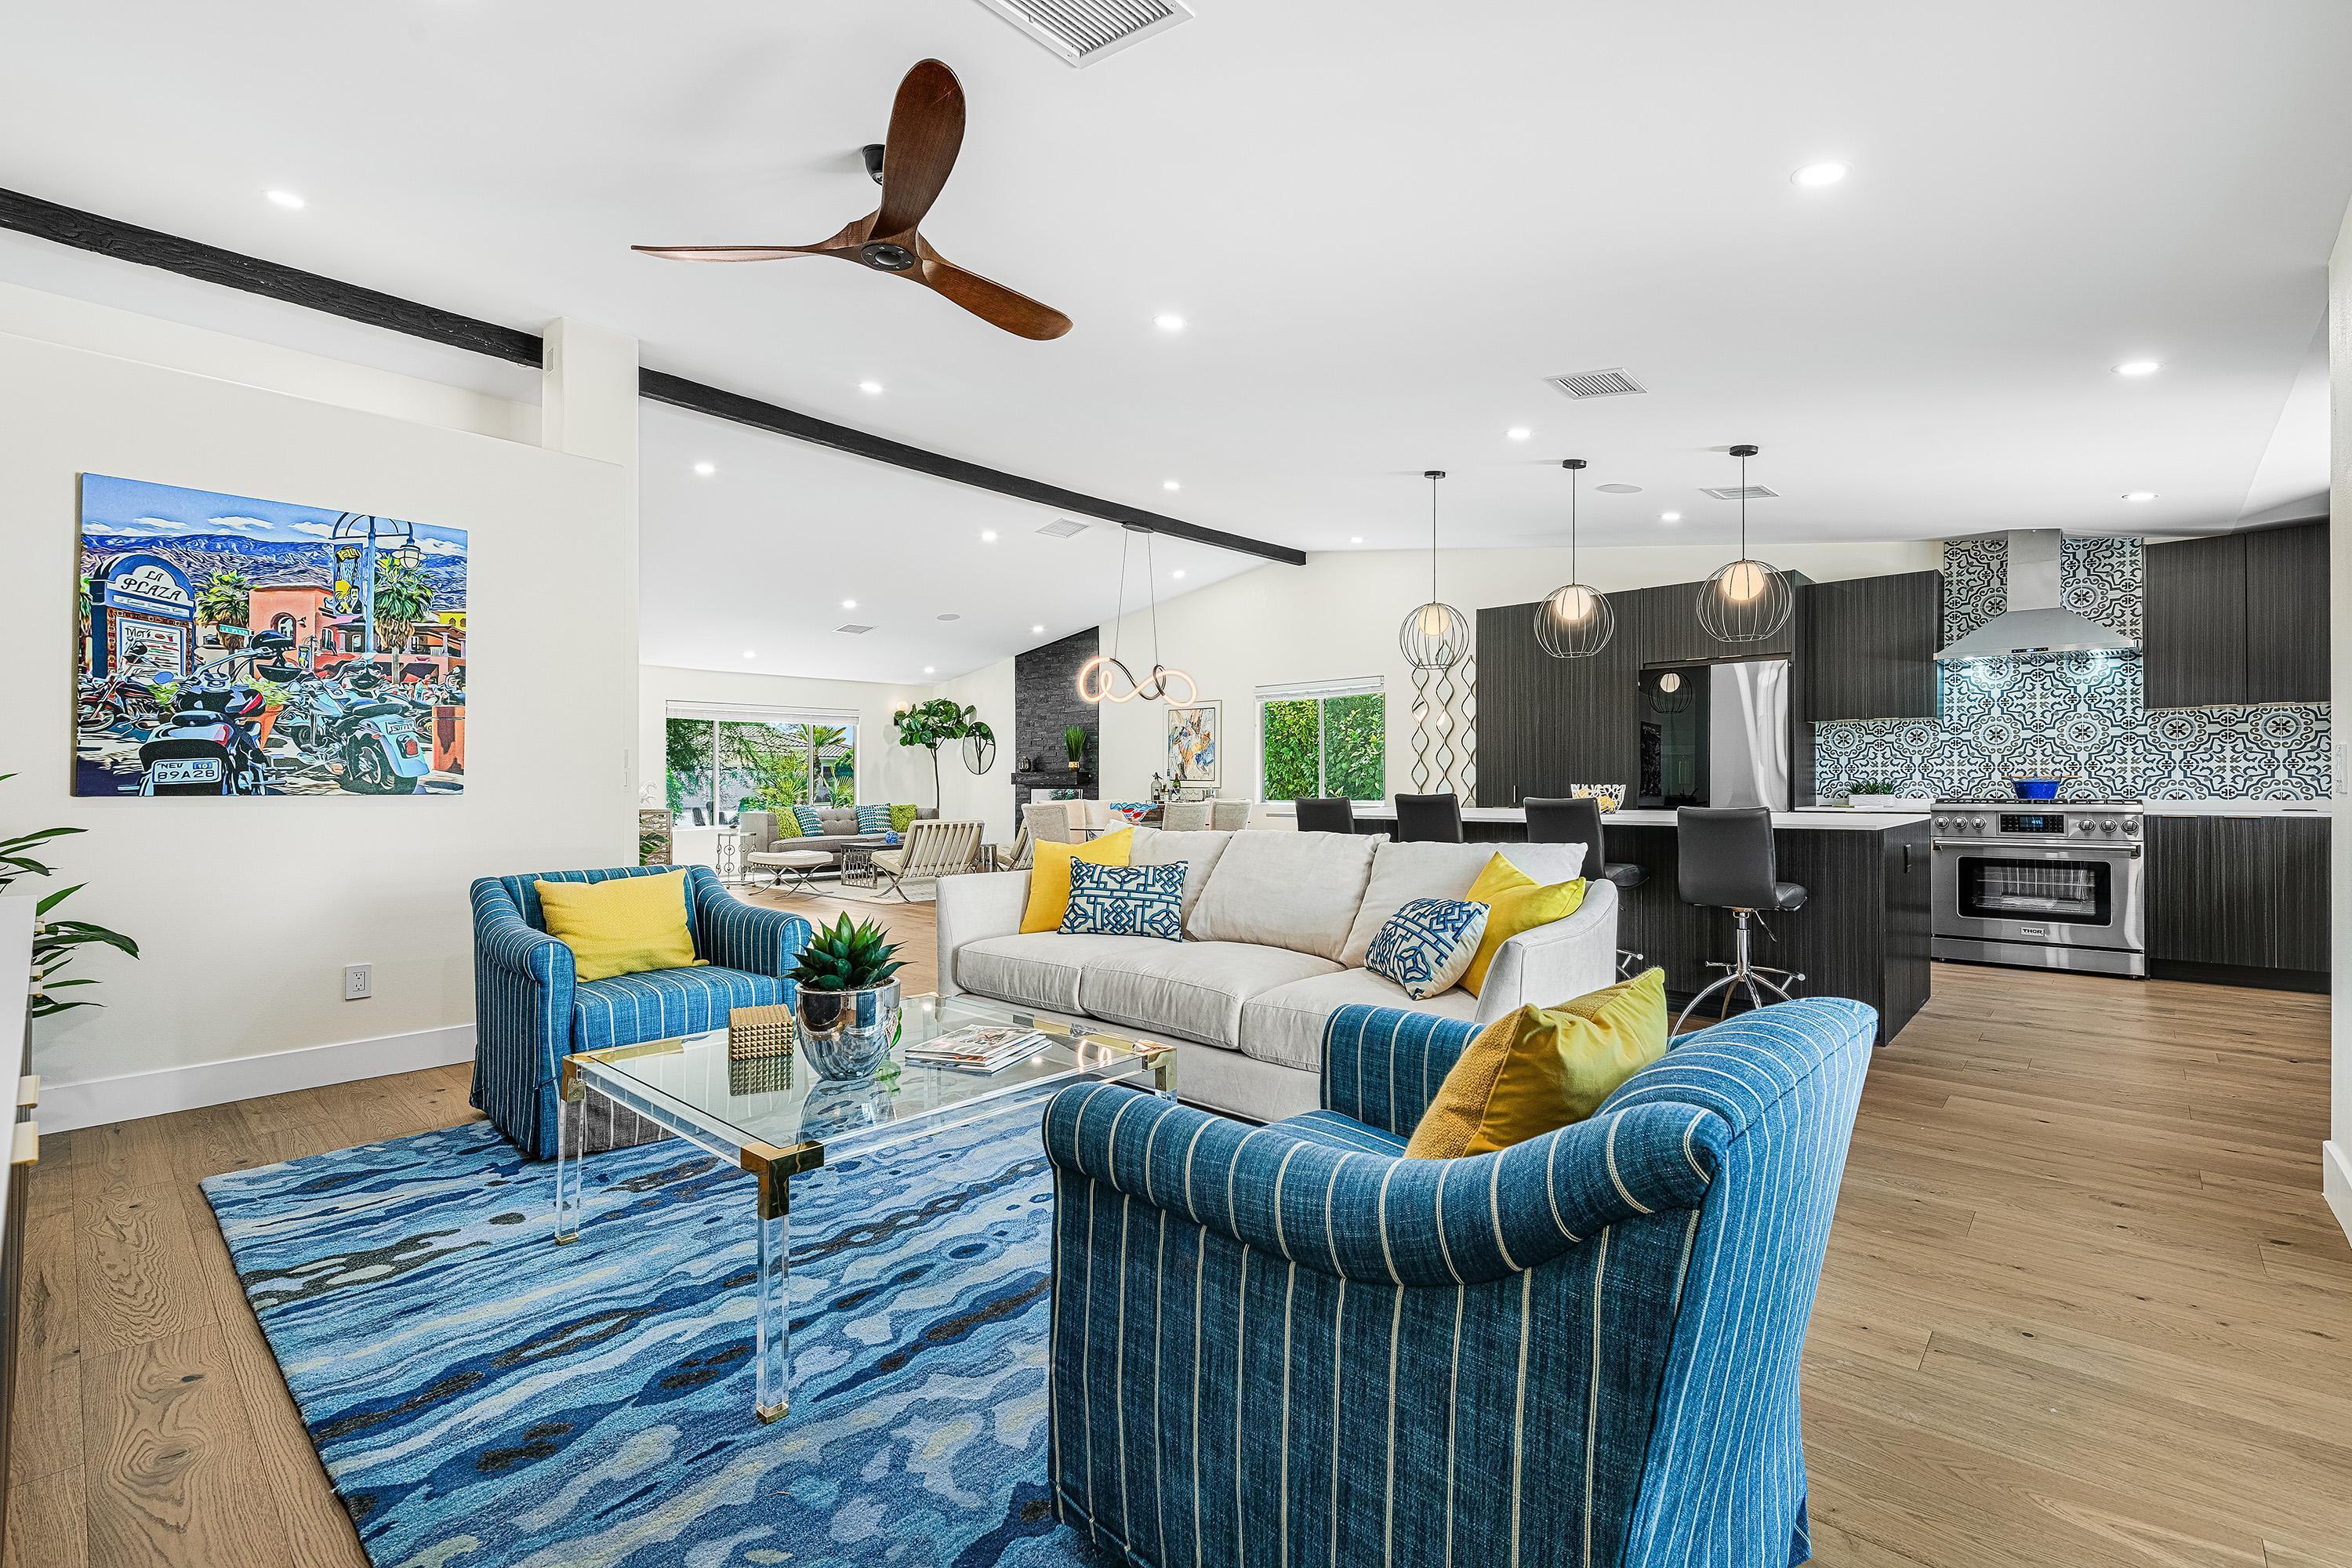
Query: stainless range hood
{"points": [[2035, 622]]}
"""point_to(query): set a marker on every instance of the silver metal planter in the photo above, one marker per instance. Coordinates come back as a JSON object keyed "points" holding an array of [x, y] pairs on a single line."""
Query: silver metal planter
{"points": [[846, 1034]]}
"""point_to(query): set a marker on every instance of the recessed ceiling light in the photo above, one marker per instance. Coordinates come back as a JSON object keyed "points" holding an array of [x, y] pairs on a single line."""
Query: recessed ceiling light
{"points": [[951, 616], [849, 604], [1619, 490], [1827, 174], [988, 536], [750, 653], [1038, 629], [871, 388], [930, 669], [1518, 432], [1669, 517], [287, 199], [1355, 538], [2139, 495], [1177, 573], [1168, 323], [706, 469], [2139, 367], [1169, 485]]}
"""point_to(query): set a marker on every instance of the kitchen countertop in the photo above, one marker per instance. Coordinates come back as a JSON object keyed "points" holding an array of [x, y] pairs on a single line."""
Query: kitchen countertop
{"points": [[1834, 819], [2240, 808]]}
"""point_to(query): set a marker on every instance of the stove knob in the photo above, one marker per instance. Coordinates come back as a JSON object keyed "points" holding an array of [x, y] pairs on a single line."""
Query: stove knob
{"points": [[1976, 825], [2131, 827], [2083, 826], [2107, 826]]}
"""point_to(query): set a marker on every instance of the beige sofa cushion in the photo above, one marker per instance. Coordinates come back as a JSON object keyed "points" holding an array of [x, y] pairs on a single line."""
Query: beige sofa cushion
{"points": [[1403, 872], [1040, 969], [1198, 850], [1284, 1025], [1195, 989], [1295, 891]]}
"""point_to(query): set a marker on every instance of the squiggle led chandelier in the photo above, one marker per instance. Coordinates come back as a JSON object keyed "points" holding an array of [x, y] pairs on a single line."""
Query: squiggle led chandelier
{"points": [[1101, 677]]}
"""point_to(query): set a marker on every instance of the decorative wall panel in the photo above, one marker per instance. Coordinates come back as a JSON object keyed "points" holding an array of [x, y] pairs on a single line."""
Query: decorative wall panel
{"points": [[2078, 716]]}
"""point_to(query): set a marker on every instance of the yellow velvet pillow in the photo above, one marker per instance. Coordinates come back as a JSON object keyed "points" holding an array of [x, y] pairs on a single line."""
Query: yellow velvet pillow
{"points": [[1541, 1069], [622, 926], [1049, 875], [1514, 902]]}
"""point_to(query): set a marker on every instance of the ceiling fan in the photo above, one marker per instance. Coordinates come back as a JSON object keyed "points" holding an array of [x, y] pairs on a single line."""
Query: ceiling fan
{"points": [[926, 132]]}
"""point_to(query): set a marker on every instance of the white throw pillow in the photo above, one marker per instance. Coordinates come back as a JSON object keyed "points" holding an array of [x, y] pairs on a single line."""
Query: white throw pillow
{"points": [[1426, 947], [1298, 890], [1403, 872]]}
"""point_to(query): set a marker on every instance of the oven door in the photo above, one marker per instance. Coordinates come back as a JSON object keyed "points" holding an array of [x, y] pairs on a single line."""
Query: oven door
{"points": [[2079, 895]]}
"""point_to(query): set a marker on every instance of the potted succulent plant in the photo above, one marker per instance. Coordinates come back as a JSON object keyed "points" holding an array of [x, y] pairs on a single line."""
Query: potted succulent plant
{"points": [[846, 1004]]}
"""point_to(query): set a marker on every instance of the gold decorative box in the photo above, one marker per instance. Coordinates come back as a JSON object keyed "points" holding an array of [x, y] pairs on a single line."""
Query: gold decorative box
{"points": [[753, 1032]]}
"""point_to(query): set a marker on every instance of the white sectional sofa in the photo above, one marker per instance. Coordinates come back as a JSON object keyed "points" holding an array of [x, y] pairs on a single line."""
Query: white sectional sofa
{"points": [[1278, 926]]}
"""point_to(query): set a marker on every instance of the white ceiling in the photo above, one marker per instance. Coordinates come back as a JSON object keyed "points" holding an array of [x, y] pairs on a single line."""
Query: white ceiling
{"points": [[1384, 224]]}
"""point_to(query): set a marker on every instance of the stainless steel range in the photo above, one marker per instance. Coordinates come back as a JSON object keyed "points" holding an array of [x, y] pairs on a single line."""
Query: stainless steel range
{"points": [[2054, 884]]}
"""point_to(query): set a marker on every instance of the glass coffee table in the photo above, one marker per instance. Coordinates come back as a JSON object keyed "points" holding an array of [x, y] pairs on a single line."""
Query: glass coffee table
{"points": [[777, 1120]]}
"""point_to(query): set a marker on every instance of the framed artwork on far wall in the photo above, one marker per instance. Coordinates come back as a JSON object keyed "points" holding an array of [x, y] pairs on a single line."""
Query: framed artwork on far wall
{"points": [[1195, 743]]}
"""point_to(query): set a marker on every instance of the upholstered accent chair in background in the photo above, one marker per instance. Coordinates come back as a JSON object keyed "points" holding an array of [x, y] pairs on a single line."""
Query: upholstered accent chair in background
{"points": [[1287, 1343], [530, 1011]]}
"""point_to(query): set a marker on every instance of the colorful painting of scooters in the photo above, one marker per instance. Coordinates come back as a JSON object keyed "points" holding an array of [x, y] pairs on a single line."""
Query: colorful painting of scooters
{"points": [[235, 647]]}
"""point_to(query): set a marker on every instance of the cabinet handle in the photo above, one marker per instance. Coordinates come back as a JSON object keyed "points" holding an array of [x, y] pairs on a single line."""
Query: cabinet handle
{"points": [[26, 1148], [28, 1091]]}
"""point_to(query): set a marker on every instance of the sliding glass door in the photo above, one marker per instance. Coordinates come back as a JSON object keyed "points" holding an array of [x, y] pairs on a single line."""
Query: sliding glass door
{"points": [[721, 766]]}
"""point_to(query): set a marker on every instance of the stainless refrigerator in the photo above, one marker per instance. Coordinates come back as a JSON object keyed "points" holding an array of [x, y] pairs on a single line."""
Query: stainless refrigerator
{"points": [[1716, 734]]}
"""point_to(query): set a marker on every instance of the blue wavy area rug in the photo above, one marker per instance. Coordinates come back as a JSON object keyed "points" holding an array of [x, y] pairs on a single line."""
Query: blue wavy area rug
{"points": [[484, 1398]]}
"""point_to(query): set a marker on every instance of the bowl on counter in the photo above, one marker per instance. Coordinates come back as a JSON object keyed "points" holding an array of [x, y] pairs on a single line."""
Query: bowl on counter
{"points": [[2036, 789], [1611, 796]]}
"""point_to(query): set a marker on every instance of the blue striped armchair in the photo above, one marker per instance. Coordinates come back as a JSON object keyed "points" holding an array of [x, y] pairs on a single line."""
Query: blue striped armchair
{"points": [[1289, 1344], [530, 1011]]}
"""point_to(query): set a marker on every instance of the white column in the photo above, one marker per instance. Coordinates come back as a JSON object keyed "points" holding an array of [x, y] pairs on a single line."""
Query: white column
{"points": [[588, 406], [2336, 1154]]}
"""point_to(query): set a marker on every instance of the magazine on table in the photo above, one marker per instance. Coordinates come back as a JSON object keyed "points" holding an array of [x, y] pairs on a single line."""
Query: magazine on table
{"points": [[979, 1048]]}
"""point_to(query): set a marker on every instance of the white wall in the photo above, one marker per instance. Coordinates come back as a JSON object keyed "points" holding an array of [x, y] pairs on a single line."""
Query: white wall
{"points": [[1337, 618], [2336, 1157], [248, 911]]}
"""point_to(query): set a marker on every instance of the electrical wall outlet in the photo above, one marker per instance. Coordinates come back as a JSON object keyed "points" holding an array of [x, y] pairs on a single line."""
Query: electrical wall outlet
{"points": [[359, 982]]}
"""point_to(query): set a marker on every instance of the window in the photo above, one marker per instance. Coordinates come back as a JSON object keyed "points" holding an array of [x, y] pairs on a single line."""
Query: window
{"points": [[1326, 739], [724, 762]]}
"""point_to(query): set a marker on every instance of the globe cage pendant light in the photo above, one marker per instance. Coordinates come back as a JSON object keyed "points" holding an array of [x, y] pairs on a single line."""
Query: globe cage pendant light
{"points": [[1436, 636], [1574, 621], [1746, 600]]}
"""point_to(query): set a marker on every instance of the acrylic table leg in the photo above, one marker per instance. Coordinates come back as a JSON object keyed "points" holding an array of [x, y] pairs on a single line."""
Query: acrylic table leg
{"points": [[774, 1344], [571, 1132]]}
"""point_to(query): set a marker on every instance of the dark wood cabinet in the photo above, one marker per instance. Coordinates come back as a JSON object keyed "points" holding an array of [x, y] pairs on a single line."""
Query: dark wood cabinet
{"points": [[1546, 723], [2238, 897], [2286, 613], [2193, 623], [1869, 646], [2239, 618]]}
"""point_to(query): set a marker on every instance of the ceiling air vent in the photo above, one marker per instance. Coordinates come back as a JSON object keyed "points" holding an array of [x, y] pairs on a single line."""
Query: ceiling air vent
{"points": [[1613, 382], [1080, 32], [854, 631], [1063, 528], [1740, 492]]}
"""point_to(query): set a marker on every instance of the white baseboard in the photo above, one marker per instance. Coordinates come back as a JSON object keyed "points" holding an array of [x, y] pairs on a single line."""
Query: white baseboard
{"points": [[2336, 1181], [93, 1102]]}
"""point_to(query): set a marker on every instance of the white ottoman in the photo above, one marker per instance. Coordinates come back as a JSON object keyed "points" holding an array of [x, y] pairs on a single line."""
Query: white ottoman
{"points": [[799, 865]]}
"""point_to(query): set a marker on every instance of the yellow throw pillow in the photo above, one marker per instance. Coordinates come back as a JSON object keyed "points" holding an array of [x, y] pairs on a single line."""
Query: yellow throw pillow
{"points": [[1514, 902], [621, 926], [1542, 1068], [1049, 875]]}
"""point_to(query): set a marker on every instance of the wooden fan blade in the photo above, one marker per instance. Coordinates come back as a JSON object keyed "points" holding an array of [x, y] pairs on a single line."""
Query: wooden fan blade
{"points": [[992, 302], [727, 252], [926, 132]]}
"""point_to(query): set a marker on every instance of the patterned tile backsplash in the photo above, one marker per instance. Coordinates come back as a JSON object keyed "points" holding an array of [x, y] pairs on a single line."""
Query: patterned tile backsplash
{"points": [[2077, 716]]}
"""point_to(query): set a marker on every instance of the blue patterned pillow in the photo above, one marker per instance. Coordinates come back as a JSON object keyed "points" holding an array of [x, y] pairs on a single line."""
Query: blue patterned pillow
{"points": [[874, 818], [1426, 947], [812, 824], [1130, 901]]}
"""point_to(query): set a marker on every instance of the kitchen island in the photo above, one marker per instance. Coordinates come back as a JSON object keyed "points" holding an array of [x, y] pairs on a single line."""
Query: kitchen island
{"points": [[1864, 931]]}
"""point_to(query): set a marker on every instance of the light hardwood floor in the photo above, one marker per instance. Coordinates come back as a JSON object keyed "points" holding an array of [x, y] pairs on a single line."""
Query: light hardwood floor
{"points": [[2084, 1305]]}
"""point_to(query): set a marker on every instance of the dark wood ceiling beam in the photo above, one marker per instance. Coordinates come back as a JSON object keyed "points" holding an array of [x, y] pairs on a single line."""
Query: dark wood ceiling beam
{"points": [[333, 297]]}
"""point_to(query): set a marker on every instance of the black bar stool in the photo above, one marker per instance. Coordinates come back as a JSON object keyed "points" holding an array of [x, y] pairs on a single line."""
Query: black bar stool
{"points": [[1326, 815], [1565, 819], [1726, 862], [1429, 818]]}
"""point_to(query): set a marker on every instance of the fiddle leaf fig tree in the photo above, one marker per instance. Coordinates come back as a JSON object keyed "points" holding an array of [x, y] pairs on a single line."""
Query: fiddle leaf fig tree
{"points": [[933, 724]]}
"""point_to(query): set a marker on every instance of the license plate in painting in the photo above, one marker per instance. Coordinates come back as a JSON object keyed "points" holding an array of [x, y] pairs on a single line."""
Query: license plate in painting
{"points": [[188, 770]]}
